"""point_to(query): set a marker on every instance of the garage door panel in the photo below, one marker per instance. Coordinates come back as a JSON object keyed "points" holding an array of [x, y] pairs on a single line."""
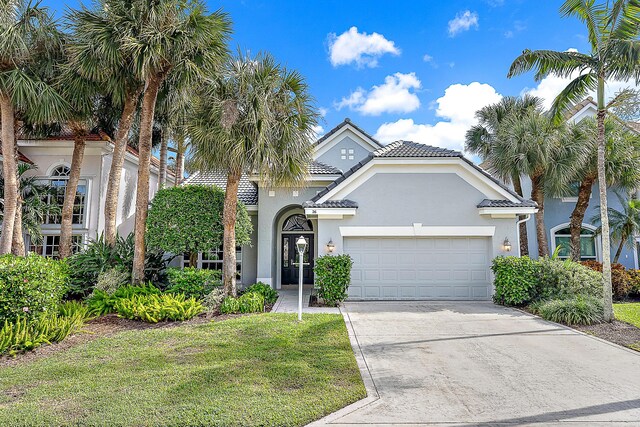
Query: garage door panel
{"points": [[419, 268]]}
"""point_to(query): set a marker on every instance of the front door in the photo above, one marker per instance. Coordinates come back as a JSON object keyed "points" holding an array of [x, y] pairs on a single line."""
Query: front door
{"points": [[290, 267]]}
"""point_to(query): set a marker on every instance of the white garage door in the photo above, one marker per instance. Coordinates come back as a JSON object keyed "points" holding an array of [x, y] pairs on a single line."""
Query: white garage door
{"points": [[419, 268]]}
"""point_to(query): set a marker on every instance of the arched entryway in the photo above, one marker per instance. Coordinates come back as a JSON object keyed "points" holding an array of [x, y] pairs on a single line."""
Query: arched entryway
{"points": [[293, 227]]}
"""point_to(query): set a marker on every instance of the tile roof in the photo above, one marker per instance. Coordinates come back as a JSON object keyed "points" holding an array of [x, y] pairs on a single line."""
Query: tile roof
{"points": [[488, 203], [344, 123], [579, 106], [319, 168], [21, 157], [345, 203], [247, 190]]}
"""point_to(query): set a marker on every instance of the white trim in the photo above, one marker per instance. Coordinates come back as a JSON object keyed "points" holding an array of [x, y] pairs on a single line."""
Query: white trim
{"points": [[509, 212], [552, 234], [419, 230], [330, 213], [453, 165], [569, 199], [361, 139], [582, 114]]}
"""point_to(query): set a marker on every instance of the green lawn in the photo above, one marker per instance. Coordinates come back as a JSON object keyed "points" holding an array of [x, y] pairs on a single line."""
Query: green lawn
{"points": [[629, 313], [262, 370]]}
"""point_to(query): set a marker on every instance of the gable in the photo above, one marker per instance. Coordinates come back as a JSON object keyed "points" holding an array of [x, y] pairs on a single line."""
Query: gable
{"points": [[346, 128], [345, 152]]}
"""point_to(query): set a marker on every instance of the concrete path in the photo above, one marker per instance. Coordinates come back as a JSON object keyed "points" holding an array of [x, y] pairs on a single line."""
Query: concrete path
{"points": [[478, 364], [288, 301]]}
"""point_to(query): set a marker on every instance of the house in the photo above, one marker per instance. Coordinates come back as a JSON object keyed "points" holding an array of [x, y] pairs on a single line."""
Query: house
{"points": [[557, 211], [420, 222], [52, 156]]}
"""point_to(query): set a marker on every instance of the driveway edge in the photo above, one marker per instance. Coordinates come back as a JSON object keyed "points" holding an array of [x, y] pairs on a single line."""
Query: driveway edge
{"points": [[367, 379]]}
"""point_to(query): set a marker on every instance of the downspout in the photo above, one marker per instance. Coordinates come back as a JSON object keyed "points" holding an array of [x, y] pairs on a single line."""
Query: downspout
{"points": [[526, 218]]}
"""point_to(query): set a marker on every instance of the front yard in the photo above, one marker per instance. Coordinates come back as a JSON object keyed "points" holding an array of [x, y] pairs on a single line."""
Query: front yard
{"points": [[253, 370]]}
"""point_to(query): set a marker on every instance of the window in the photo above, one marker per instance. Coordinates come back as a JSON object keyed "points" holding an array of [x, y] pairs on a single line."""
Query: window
{"points": [[213, 260], [51, 243], [562, 238], [58, 180], [297, 222]]}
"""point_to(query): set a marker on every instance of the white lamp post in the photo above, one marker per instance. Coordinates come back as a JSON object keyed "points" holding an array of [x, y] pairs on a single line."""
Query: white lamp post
{"points": [[301, 244]]}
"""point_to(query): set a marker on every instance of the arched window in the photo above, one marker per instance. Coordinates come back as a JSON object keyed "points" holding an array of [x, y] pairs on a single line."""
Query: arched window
{"points": [[58, 179], [61, 170], [297, 222], [561, 237]]}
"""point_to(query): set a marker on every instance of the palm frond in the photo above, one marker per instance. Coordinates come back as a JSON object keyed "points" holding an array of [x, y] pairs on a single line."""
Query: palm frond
{"points": [[545, 62], [573, 93]]}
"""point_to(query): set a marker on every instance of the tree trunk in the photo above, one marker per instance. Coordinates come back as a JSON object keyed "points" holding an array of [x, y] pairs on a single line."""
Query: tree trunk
{"points": [[115, 172], [193, 259], [524, 238], [604, 217], [537, 194], [144, 159], [179, 161], [577, 216], [162, 171], [9, 171], [17, 246], [66, 223], [229, 214], [619, 250]]}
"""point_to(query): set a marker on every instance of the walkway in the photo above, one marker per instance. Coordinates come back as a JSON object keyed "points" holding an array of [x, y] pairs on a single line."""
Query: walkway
{"points": [[288, 301]]}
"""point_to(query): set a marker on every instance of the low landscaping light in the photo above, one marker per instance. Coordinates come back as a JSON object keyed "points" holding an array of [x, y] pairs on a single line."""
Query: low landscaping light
{"points": [[330, 246], [507, 245]]}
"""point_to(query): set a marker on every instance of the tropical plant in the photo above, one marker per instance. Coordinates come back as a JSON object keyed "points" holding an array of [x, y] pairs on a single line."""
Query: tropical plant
{"points": [[189, 220], [577, 310], [193, 282], [213, 299], [255, 117], [33, 197], [158, 308], [613, 28], [101, 302], [29, 43], [270, 295], [622, 165], [249, 302], [481, 139], [624, 223]]}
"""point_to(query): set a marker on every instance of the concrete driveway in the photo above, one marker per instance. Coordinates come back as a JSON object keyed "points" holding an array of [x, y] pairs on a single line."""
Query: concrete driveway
{"points": [[481, 364]]}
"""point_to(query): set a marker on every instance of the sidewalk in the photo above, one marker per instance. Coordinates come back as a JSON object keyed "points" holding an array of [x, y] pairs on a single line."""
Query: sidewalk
{"points": [[288, 301]]}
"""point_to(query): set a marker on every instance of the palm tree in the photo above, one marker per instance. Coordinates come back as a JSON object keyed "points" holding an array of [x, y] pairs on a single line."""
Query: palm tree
{"points": [[622, 165], [533, 145], [481, 140], [625, 223], [613, 29], [34, 207], [255, 117], [28, 40]]}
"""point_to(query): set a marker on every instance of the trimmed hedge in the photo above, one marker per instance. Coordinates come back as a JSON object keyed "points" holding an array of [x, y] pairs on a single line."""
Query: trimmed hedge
{"points": [[30, 286], [193, 282], [332, 277]]}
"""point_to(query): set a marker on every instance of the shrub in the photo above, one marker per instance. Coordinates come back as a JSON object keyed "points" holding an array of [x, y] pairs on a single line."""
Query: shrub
{"points": [[565, 279], [30, 285], [577, 310], [74, 309], [213, 299], [156, 308], [101, 303], [270, 295], [193, 282], [249, 302], [112, 279], [621, 283], [516, 280], [333, 276], [634, 281]]}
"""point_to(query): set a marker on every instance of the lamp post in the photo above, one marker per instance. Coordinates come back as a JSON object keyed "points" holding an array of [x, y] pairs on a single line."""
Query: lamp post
{"points": [[301, 244]]}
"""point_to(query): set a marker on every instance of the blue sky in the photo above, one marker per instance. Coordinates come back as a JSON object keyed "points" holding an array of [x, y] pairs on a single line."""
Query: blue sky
{"points": [[403, 69]]}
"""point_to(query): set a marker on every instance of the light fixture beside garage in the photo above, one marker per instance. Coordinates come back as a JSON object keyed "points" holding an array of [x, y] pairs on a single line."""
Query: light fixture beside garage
{"points": [[330, 246], [506, 245]]}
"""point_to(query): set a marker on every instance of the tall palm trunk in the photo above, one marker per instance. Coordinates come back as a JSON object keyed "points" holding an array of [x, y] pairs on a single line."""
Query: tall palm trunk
{"points": [[537, 194], [162, 171], [115, 172], [144, 159], [577, 216], [229, 214], [524, 238], [179, 161], [66, 222], [616, 257], [9, 171], [17, 246], [604, 218]]}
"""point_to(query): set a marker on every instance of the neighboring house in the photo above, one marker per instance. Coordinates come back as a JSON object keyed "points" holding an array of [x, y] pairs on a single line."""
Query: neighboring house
{"points": [[557, 212], [420, 222], [52, 156]]}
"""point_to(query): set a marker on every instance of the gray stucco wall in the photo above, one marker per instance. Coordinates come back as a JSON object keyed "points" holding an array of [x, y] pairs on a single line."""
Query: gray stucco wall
{"points": [[250, 254], [334, 156]]}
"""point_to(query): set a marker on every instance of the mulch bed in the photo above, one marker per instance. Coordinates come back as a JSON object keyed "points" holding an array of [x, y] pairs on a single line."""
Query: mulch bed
{"points": [[616, 332]]}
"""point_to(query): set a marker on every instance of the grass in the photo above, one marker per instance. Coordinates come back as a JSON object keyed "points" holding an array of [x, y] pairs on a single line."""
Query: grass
{"points": [[262, 370], [628, 312]]}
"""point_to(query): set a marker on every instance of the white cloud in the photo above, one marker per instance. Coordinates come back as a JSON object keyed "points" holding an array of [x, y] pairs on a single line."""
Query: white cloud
{"points": [[395, 95], [318, 132], [323, 111], [427, 58], [463, 21], [362, 48], [457, 107]]}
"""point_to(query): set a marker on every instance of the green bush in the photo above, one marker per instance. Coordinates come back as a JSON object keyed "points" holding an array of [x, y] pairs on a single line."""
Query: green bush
{"points": [[113, 279], [213, 299], [576, 310], [193, 282], [621, 281], [634, 282], [564, 279], [74, 309], [516, 280], [30, 285], [332, 277], [249, 302], [156, 308], [270, 295], [101, 303]]}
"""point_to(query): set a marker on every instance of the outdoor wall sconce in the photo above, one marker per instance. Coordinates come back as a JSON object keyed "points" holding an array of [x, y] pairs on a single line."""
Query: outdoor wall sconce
{"points": [[506, 244], [330, 246]]}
